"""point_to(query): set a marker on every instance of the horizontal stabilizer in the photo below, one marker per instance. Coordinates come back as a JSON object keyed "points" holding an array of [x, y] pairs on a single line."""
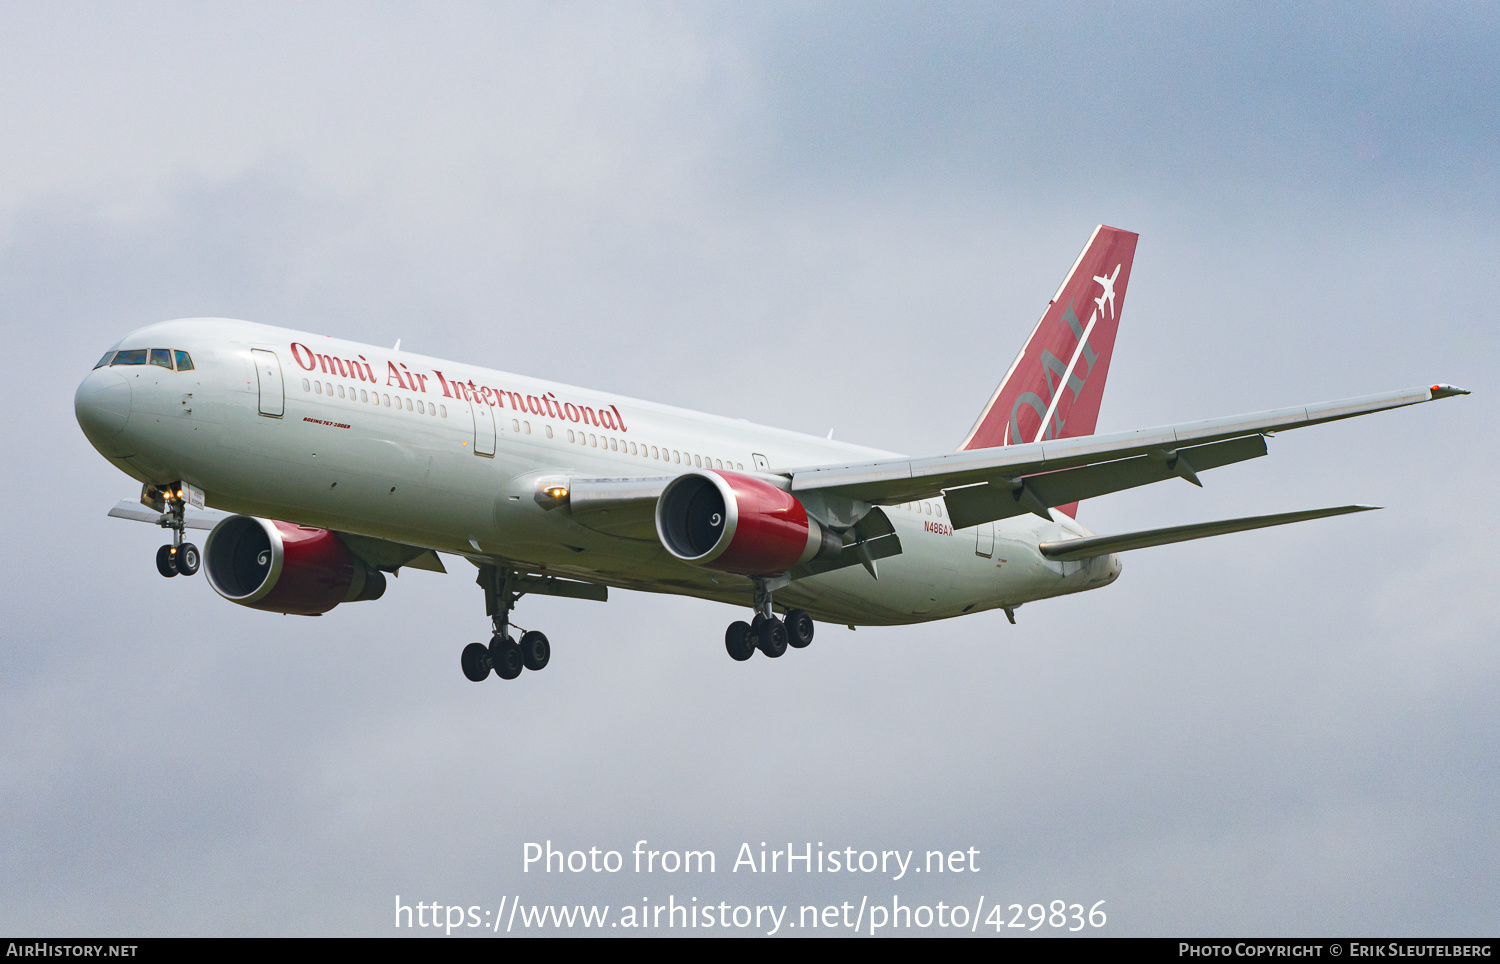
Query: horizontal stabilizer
{"points": [[976, 504], [1069, 550]]}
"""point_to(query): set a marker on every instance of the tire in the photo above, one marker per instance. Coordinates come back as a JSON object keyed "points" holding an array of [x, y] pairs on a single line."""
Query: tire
{"points": [[771, 639], [476, 662], [738, 642], [535, 650], [188, 559], [799, 629], [505, 656], [165, 564]]}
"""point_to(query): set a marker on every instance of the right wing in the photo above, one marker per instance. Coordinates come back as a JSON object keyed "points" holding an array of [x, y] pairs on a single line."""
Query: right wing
{"points": [[1032, 477]]}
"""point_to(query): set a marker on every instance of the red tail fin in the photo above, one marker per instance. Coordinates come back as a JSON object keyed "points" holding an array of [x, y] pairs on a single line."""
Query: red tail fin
{"points": [[1054, 387]]}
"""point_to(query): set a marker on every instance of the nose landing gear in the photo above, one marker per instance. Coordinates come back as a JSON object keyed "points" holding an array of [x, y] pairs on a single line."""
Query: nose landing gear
{"points": [[503, 654], [180, 558], [766, 632]]}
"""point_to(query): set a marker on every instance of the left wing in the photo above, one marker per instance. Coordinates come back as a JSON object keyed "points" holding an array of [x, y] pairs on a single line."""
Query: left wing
{"points": [[378, 553], [192, 518]]}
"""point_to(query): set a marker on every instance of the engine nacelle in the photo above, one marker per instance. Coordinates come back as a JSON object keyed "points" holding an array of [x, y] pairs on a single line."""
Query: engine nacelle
{"points": [[738, 523], [285, 568]]}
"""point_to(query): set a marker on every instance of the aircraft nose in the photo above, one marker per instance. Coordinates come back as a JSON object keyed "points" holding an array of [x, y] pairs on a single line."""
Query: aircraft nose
{"points": [[102, 404]]}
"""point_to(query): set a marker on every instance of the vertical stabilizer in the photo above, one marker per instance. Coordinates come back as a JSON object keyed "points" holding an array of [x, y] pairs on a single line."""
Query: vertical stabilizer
{"points": [[1054, 387]]}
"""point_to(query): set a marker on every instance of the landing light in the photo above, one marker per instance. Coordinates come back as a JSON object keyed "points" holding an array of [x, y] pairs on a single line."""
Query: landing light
{"points": [[550, 496]]}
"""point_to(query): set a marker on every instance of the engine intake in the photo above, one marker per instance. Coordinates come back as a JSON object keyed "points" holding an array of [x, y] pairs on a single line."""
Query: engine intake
{"points": [[738, 523], [284, 568]]}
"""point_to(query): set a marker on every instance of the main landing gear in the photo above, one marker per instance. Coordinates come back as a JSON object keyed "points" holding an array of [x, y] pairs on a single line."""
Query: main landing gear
{"points": [[503, 654], [180, 558], [767, 633]]}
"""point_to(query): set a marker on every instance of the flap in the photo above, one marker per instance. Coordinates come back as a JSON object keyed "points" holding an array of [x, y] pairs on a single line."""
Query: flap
{"points": [[987, 502]]}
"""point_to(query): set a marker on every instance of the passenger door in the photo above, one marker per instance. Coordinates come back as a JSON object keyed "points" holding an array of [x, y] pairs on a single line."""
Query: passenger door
{"points": [[484, 429], [268, 374]]}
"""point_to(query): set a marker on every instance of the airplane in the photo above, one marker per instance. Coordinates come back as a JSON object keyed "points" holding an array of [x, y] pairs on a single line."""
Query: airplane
{"points": [[320, 465]]}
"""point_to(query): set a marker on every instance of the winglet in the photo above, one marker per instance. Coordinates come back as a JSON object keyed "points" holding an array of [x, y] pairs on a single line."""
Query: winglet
{"points": [[1446, 391]]}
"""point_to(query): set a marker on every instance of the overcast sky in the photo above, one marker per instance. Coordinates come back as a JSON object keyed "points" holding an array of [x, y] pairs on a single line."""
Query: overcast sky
{"points": [[813, 216]]}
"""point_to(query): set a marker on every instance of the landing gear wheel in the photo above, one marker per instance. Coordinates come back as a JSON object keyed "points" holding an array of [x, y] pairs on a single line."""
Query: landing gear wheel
{"points": [[476, 662], [738, 642], [770, 637], [188, 559], [505, 656], [165, 563], [799, 628], [535, 650]]}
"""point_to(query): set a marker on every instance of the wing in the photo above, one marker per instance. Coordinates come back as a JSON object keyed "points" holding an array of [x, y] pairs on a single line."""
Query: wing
{"points": [[992, 483], [626, 507], [378, 553], [192, 518]]}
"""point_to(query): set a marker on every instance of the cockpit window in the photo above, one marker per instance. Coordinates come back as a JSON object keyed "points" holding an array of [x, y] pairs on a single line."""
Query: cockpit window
{"points": [[105, 360], [184, 361], [135, 356], [162, 357]]}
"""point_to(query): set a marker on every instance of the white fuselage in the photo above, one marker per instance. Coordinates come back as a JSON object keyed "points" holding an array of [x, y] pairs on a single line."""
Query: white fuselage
{"points": [[447, 456]]}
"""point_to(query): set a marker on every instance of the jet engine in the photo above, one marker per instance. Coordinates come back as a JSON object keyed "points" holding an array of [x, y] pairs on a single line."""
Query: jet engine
{"points": [[738, 523], [284, 568]]}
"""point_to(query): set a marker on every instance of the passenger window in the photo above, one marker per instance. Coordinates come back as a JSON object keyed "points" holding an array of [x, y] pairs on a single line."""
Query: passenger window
{"points": [[593, 440], [162, 357], [184, 361], [330, 387], [515, 425], [136, 356], [698, 461], [306, 385], [614, 445], [654, 453], [341, 391], [676, 456], [318, 387], [549, 431], [444, 410], [526, 427], [386, 400], [571, 437], [408, 404], [105, 360], [632, 448], [421, 407], [364, 396]]}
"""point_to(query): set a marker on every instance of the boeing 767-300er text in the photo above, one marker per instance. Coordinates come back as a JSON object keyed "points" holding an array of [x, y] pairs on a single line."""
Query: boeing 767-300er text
{"points": [[328, 463]]}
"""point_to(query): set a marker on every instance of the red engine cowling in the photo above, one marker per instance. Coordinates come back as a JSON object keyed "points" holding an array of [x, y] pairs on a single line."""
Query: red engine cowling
{"points": [[285, 568], [738, 523]]}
